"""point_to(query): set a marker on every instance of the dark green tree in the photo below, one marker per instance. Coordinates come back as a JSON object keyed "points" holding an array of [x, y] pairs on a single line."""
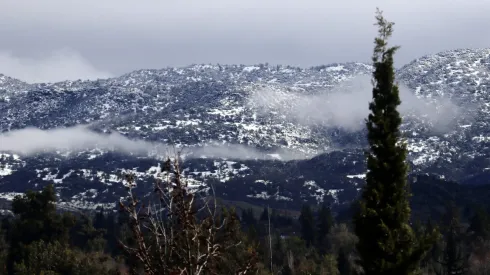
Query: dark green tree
{"points": [[264, 217], [455, 258], [100, 219], [4, 249], [84, 235], [35, 220], [248, 217], [307, 225], [325, 222], [278, 251], [286, 270], [430, 262], [252, 234], [343, 263], [480, 224], [36, 217], [387, 243]]}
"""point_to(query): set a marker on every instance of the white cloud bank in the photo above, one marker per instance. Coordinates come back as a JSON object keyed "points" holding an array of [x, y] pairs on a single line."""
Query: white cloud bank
{"points": [[346, 105], [60, 65], [31, 141]]}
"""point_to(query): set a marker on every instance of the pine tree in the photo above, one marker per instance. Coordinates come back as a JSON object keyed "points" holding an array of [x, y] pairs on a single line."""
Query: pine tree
{"points": [[307, 225], [248, 217], [265, 214], [286, 270], [343, 263], [36, 219], [430, 261], [455, 259], [279, 253], [480, 224], [84, 235], [4, 249], [387, 243], [325, 222]]}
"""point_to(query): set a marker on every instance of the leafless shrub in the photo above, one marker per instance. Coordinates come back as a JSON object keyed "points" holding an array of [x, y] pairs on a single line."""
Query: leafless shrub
{"points": [[184, 233]]}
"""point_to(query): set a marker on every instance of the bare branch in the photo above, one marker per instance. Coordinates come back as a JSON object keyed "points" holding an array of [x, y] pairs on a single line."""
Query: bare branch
{"points": [[170, 238]]}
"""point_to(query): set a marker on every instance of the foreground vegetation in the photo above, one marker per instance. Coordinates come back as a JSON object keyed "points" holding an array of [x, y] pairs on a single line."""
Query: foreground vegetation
{"points": [[176, 231], [190, 236]]}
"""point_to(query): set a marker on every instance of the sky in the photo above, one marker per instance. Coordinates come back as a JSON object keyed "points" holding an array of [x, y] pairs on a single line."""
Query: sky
{"points": [[55, 40]]}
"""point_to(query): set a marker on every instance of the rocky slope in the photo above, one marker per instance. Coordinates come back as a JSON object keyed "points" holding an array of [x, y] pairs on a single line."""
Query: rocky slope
{"points": [[274, 134]]}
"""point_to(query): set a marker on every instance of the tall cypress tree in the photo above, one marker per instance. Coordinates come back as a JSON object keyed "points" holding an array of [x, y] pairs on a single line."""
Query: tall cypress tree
{"points": [[387, 243]]}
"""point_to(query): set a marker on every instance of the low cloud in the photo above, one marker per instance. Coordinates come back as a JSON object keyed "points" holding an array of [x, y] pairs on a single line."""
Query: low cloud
{"points": [[238, 151], [60, 65], [32, 141], [346, 106]]}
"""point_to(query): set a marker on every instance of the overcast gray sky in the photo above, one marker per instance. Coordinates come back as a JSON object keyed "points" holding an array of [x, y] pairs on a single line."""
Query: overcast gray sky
{"points": [[53, 40]]}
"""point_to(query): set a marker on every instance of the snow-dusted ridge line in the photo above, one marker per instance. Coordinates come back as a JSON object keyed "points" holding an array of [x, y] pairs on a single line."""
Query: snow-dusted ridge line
{"points": [[220, 105]]}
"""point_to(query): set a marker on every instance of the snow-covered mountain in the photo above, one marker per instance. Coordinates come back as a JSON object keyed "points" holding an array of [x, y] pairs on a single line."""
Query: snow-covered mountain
{"points": [[275, 134]]}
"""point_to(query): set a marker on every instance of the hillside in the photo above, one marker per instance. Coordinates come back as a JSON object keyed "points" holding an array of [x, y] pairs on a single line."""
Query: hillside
{"points": [[275, 134]]}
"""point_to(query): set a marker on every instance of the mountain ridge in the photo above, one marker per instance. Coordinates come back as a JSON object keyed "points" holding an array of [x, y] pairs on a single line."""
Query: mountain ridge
{"points": [[267, 112]]}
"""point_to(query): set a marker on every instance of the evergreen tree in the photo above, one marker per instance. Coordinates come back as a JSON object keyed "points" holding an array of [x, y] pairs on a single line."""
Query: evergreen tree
{"points": [[387, 243], [430, 261], [307, 225], [343, 263], [480, 224], [100, 220], [248, 217], [278, 252], [325, 223], [286, 270], [86, 236], [455, 259], [36, 219], [264, 217], [252, 234], [274, 216], [4, 248]]}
